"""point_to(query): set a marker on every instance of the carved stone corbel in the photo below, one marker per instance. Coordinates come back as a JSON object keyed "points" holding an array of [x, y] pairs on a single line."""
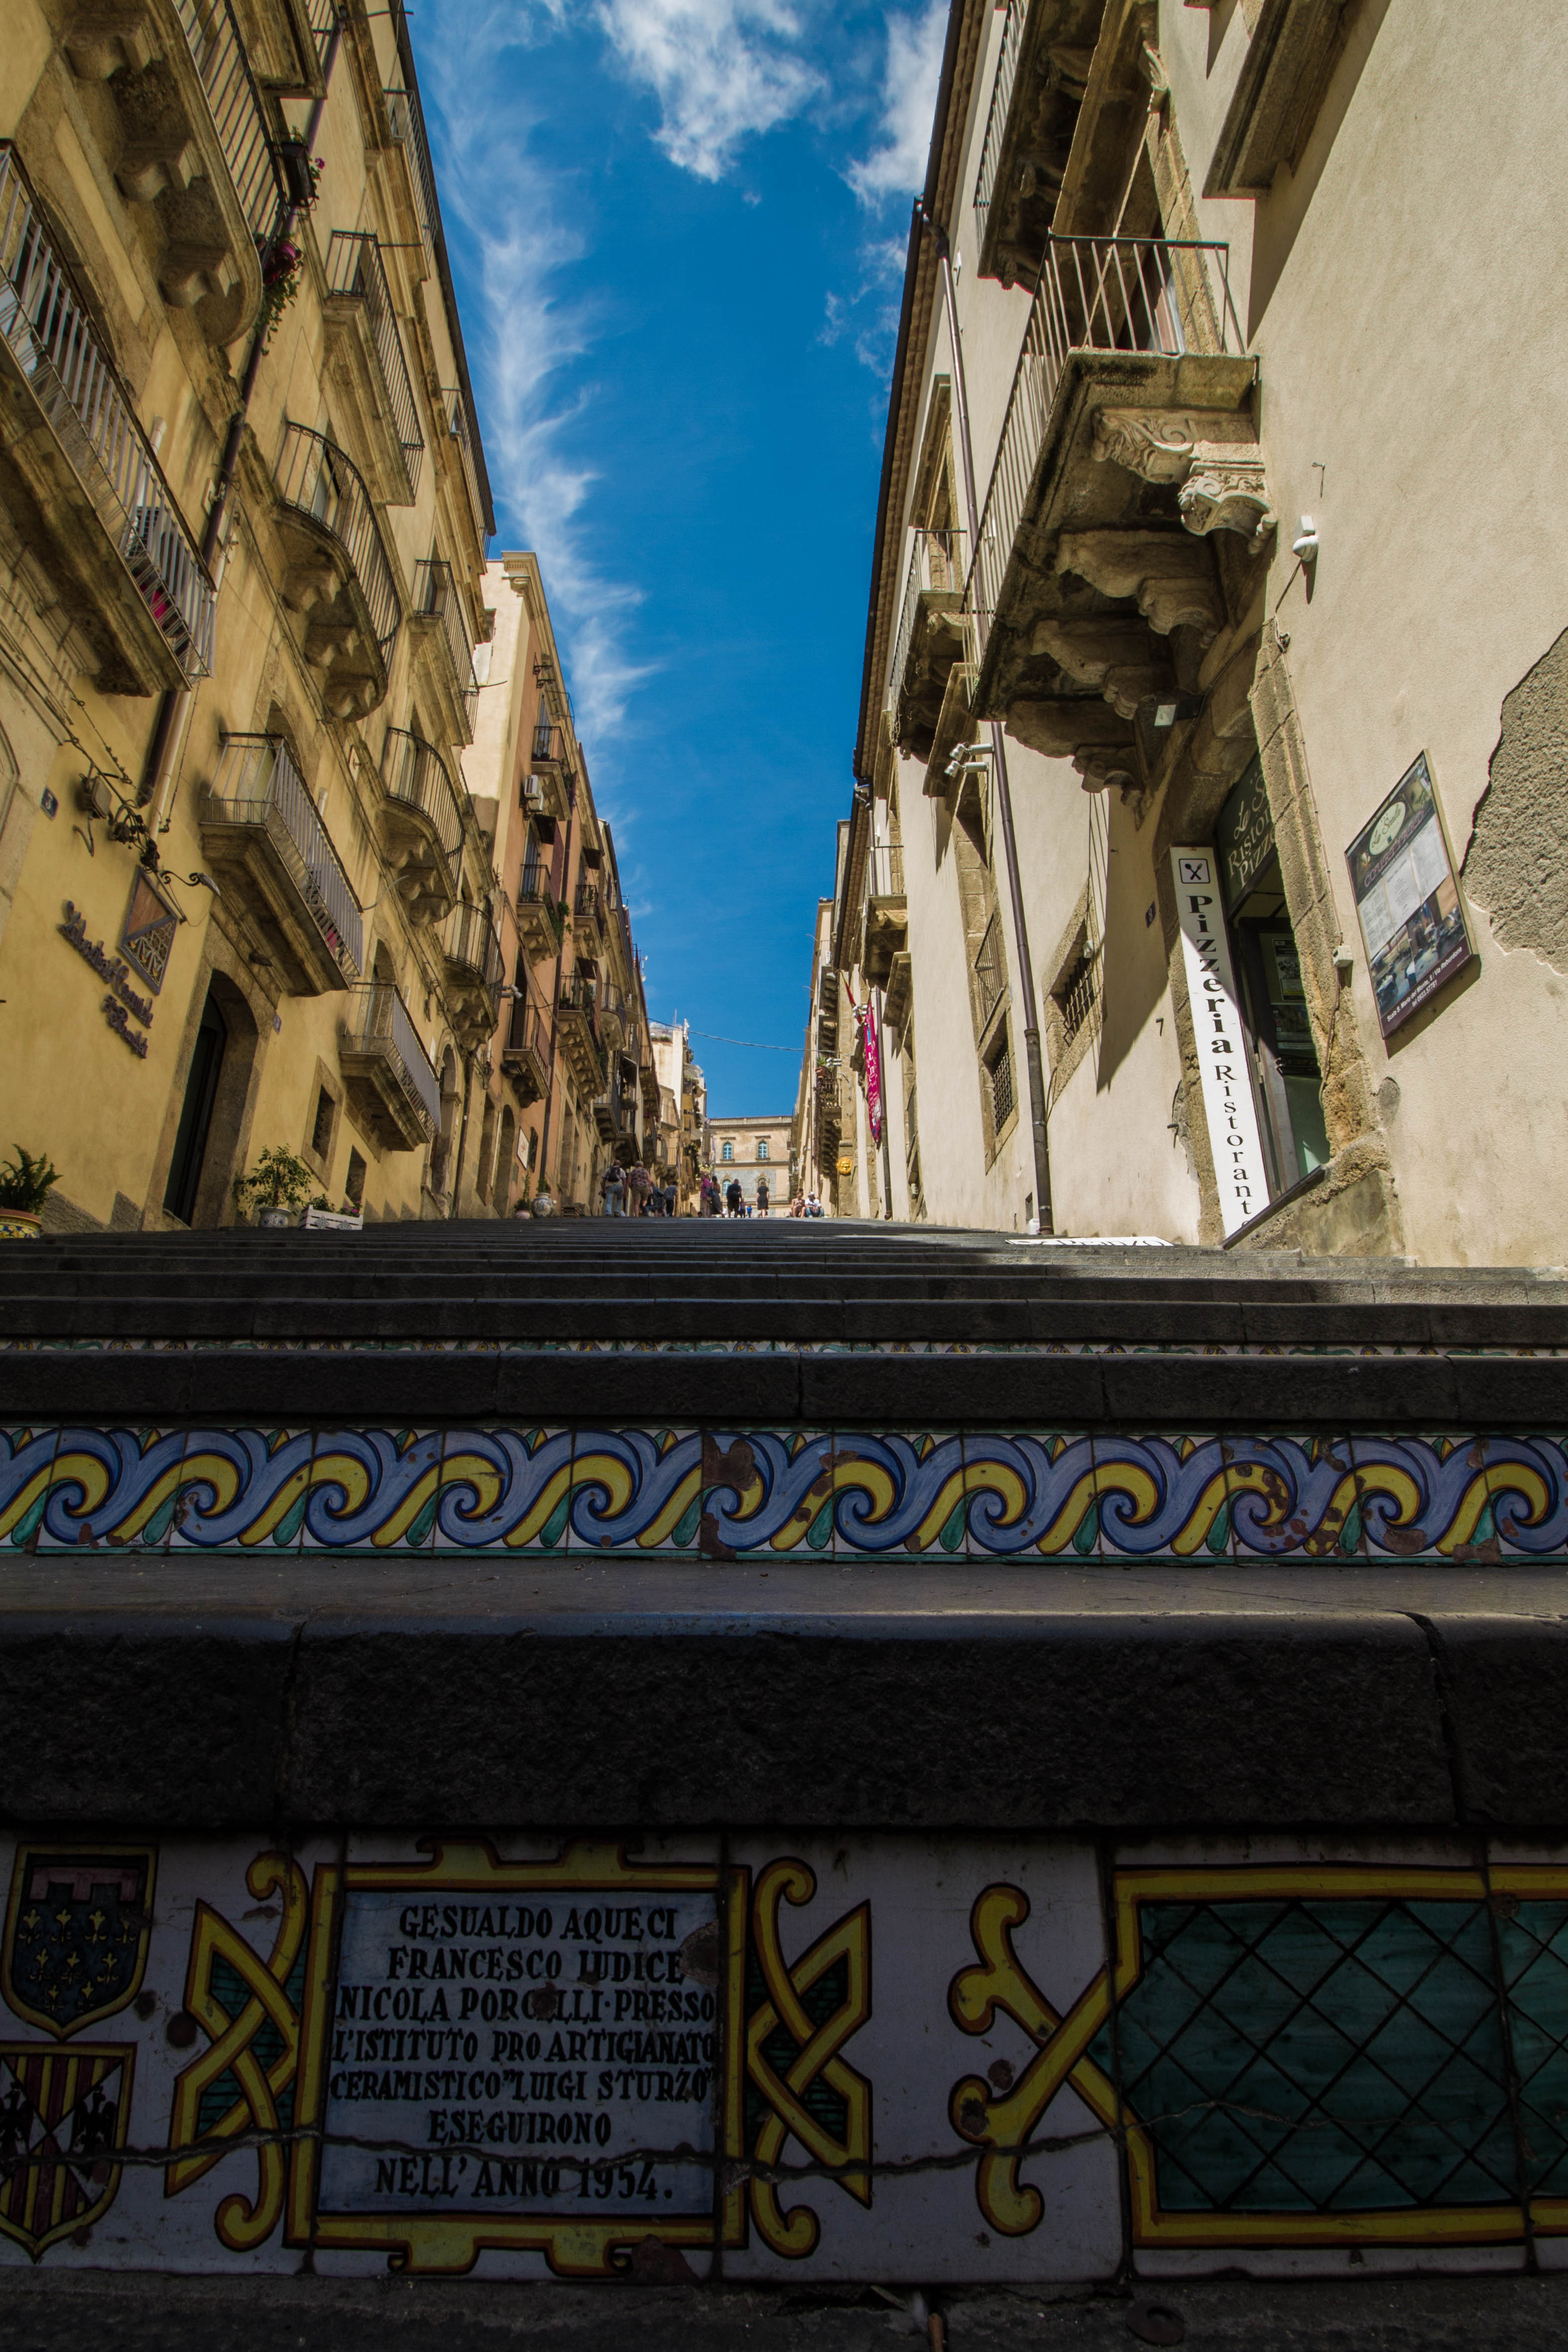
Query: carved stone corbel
{"points": [[1171, 579], [104, 36], [1096, 740], [1118, 658], [1213, 454]]}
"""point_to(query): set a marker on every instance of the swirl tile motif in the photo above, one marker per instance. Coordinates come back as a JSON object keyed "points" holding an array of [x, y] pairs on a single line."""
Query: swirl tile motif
{"points": [[723, 1493]]}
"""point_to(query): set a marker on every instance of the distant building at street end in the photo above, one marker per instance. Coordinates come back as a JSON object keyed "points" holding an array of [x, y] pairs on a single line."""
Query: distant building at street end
{"points": [[1202, 838], [754, 1151]]}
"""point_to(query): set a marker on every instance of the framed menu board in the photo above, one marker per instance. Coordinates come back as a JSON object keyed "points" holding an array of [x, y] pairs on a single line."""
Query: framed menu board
{"points": [[1411, 917]]}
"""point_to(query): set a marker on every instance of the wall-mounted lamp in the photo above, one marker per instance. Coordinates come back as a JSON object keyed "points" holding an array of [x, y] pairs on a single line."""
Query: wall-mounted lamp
{"points": [[1304, 546]]}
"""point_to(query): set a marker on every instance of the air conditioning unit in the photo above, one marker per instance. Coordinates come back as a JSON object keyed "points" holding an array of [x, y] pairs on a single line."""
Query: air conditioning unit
{"points": [[532, 792]]}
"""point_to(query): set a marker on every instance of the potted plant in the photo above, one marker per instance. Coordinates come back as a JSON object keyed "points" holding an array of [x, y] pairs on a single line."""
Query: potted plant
{"points": [[276, 1188], [25, 1184]]}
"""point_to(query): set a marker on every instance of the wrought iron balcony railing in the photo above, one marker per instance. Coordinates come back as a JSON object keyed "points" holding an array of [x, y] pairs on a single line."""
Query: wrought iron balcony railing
{"points": [[1094, 294], [589, 904], [471, 946], [885, 870], [413, 772], [1001, 101], [355, 268], [380, 1025], [528, 1031], [534, 890], [462, 431], [258, 784], [936, 564], [321, 481], [435, 597], [76, 384], [218, 54]]}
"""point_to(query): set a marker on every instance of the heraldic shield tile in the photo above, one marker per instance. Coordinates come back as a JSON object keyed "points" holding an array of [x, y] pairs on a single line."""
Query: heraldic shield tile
{"points": [[1462, 1497], [151, 2002], [524, 2060], [111, 1490], [374, 1490], [1031, 1495], [1311, 2059], [509, 1490], [907, 2002], [244, 1488], [26, 1458]]}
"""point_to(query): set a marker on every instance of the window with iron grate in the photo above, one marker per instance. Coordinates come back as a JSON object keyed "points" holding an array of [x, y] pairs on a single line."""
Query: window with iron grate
{"points": [[999, 1069], [1075, 993]]}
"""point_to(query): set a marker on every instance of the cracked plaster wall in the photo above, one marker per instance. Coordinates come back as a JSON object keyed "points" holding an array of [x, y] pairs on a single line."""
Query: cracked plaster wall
{"points": [[1516, 865]]}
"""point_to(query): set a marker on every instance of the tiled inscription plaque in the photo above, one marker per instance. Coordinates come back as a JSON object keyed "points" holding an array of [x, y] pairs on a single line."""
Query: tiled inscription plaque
{"points": [[527, 2056], [900, 2059]]}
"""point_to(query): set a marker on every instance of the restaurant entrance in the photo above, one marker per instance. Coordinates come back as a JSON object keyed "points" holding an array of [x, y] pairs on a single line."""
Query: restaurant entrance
{"points": [[1286, 1080]]}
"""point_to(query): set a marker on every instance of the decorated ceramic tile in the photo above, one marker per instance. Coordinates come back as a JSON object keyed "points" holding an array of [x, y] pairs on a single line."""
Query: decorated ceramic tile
{"points": [[26, 1458], [245, 1487], [1291, 1497], [1462, 1497], [508, 1488], [1530, 1903], [1166, 1496], [151, 2019], [523, 2067], [636, 1490], [1031, 1495], [110, 1489], [372, 1490], [1311, 2059], [766, 1491], [907, 2096]]}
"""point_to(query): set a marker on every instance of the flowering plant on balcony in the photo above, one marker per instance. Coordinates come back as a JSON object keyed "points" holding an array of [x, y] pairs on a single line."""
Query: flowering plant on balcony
{"points": [[280, 275]]}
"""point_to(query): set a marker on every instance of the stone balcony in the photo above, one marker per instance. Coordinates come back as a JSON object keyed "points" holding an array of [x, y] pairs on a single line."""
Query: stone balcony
{"points": [[886, 911], [540, 921], [338, 575], [577, 1033], [364, 348], [549, 763], [78, 477], [1042, 76], [263, 837], [421, 824], [928, 640], [392, 1088], [441, 634], [1127, 516], [181, 121], [474, 968], [525, 1052]]}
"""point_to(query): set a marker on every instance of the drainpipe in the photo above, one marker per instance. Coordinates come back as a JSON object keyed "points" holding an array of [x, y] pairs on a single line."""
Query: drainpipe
{"points": [[555, 1000], [1032, 1052], [174, 707]]}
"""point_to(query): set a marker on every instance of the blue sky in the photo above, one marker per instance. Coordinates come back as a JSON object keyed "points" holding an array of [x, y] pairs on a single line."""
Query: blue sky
{"points": [[678, 229]]}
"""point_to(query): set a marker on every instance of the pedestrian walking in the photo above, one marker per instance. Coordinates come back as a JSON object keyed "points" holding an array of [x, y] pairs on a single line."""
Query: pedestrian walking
{"points": [[641, 1184], [761, 1196], [614, 1185], [669, 1197], [734, 1197]]}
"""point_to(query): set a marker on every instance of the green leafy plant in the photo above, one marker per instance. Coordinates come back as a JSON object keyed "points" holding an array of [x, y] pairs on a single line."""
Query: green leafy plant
{"points": [[277, 1181], [25, 1183]]}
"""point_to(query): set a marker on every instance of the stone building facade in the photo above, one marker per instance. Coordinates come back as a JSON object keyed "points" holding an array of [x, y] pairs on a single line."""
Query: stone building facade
{"points": [[247, 898], [756, 1149], [569, 1079], [1204, 836]]}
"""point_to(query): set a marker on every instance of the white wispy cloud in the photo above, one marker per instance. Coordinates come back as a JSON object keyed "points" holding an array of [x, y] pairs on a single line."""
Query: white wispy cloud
{"points": [[896, 165], [510, 207], [722, 71]]}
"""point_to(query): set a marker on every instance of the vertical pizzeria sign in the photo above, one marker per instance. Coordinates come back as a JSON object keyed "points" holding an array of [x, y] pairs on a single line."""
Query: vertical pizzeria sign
{"points": [[1228, 1107]]}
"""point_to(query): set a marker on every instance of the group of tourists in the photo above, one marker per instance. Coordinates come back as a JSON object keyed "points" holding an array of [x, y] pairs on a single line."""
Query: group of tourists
{"points": [[730, 1200], [633, 1193]]}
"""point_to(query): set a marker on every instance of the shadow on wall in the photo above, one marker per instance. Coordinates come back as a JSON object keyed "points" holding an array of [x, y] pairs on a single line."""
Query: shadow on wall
{"points": [[1280, 212]]}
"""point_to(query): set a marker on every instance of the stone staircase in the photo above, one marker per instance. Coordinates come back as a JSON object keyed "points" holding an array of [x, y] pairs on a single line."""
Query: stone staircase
{"points": [[931, 1566]]}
